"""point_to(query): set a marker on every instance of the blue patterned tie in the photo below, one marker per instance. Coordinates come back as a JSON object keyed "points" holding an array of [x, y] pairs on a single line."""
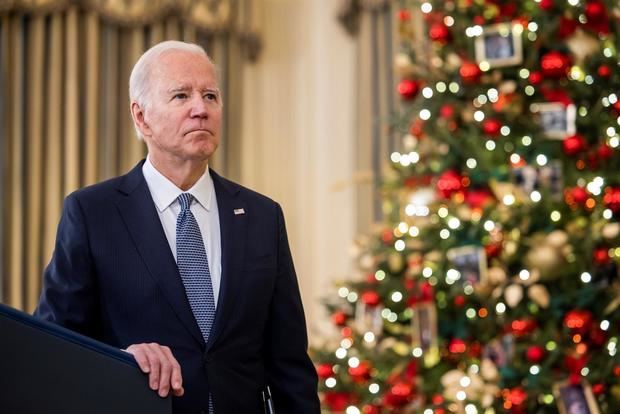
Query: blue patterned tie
{"points": [[194, 266], [194, 269]]}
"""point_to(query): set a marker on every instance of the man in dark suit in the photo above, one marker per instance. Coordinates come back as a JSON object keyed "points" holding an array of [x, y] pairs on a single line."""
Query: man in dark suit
{"points": [[189, 272]]}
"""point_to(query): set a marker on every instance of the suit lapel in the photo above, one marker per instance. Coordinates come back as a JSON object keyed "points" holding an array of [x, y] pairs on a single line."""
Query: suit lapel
{"points": [[140, 216], [233, 235]]}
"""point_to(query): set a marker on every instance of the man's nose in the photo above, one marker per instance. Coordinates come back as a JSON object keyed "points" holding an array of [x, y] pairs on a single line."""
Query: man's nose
{"points": [[199, 107]]}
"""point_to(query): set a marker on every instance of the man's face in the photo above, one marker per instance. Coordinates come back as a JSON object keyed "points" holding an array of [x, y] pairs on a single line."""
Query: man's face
{"points": [[183, 116]]}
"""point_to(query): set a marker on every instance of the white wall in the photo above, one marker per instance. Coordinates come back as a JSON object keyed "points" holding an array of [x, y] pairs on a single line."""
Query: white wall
{"points": [[299, 139]]}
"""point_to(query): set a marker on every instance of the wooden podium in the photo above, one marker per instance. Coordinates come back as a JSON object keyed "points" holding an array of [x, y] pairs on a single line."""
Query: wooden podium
{"points": [[45, 368]]}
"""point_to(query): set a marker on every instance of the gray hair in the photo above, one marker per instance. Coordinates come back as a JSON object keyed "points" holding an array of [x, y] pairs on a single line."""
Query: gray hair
{"points": [[141, 72]]}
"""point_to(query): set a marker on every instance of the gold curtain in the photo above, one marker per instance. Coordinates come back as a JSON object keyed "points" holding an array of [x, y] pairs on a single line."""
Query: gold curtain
{"points": [[372, 23], [65, 121]]}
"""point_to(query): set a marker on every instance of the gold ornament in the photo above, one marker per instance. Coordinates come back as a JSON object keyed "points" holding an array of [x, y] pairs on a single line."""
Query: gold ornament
{"points": [[395, 262], [611, 230], [489, 370], [513, 295], [496, 275], [557, 238], [582, 45], [547, 260], [539, 295]]}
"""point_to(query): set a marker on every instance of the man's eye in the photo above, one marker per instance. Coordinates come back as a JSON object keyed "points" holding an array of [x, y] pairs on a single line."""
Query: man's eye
{"points": [[180, 96], [211, 96]]}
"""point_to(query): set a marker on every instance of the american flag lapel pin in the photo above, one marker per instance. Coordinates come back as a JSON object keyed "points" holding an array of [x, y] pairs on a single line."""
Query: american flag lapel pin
{"points": [[239, 211]]}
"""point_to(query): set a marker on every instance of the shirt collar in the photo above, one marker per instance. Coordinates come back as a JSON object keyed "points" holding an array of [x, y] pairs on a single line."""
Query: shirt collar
{"points": [[165, 192]]}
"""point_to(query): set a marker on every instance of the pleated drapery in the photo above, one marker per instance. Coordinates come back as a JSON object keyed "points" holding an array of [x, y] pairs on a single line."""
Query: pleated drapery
{"points": [[65, 120]]}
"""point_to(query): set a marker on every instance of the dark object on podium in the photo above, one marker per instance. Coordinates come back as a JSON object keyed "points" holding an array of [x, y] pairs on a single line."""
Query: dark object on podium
{"points": [[45, 368]]}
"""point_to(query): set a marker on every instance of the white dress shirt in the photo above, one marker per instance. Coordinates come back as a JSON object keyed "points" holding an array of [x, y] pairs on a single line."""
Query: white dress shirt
{"points": [[165, 194]]}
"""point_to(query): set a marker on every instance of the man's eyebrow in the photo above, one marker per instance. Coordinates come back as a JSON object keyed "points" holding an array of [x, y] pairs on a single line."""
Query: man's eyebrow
{"points": [[182, 88]]}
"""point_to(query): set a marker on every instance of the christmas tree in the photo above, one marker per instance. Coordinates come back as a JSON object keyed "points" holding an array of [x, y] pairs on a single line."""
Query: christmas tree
{"points": [[492, 286]]}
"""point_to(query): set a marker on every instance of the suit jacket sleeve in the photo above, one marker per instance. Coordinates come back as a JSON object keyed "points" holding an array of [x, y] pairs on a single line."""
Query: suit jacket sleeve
{"points": [[69, 296], [290, 372]]}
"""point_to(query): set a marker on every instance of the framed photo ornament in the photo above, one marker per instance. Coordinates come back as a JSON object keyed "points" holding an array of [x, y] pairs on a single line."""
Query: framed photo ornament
{"points": [[575, 398], [500, 351], [548, 178], [556, 119], [424, 331], [470, 262], [500, 45], [368, 318]]}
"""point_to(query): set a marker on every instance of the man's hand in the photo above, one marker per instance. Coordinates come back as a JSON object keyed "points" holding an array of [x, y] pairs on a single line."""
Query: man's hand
{"points": [[163, 369]]}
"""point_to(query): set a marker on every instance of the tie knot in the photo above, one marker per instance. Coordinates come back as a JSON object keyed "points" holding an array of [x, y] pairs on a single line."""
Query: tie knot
{"points": [[185, 200]]}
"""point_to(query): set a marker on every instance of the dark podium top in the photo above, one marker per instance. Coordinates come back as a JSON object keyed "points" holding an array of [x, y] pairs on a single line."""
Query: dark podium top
{"points": [[45, 368]]}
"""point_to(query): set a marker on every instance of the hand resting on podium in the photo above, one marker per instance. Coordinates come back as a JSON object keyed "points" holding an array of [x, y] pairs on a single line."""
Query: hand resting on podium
{"points": [[163, 369]]}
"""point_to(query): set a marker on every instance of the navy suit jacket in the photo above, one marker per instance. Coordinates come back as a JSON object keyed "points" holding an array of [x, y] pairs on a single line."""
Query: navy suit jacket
{"points": [[113, 277]]}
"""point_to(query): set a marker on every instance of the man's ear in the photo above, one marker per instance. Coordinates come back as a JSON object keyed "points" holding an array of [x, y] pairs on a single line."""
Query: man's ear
{"points": [[137, 113]]}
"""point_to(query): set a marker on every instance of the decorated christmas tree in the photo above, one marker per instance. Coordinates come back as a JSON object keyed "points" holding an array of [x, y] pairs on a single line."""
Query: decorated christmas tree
{"points": [[492, 286]]}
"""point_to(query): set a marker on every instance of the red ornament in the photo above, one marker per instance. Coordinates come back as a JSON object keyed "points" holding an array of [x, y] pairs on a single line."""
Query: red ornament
{"points": [[449, 183], [403, 15], [598, 388], [546, 4], [478, 198], [604, 71], [371, 279], [578, 321], [426, 292], [387, 236], [616, 106], [601, 256], [508, 10], [574, 378], [337, 400], [604, 152], [535, 354], [399, 395], [616, 370], [411, 371], [493, 250], [535, 77], [554, 64], [470, 72], [361, 373], [446, 111], [325, 370], [459, 301], [457, 346], [611, 199], [574, 144], [595, 11], [437, 399], [371, 298], [597, 17], [556, 95], [576, 196], [339, 318], [566, 27], [522, 327], [491, 127], [371, 409], [475, 350], [480, 20], [598, 337], [408, 89], [439, 33], [515, 399], [574, 364]]}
